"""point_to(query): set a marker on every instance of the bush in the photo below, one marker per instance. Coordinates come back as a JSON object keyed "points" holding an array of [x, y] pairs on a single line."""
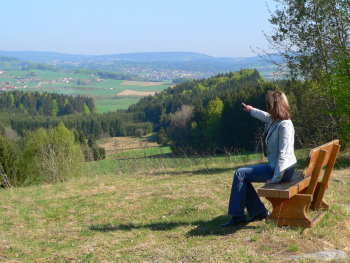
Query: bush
{"points": [[50, 156], [8, 163]]}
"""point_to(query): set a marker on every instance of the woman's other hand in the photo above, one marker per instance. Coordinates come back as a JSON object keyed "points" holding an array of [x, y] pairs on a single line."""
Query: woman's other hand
{"points": [[269, 181], [247, 108]]}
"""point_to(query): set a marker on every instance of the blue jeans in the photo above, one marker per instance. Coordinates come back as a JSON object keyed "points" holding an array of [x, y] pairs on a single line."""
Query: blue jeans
{"points": [[243, 194]]}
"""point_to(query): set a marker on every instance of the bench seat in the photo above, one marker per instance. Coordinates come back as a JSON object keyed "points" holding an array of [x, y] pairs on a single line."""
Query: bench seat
{"points": [[286, 189]]}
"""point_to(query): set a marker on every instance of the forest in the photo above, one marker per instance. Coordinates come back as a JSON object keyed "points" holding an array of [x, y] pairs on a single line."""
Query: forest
{"points": [[206, 115]]}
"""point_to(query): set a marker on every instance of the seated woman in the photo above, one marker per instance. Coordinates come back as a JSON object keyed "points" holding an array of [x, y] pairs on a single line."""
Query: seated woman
{"points": [[279, 149]]}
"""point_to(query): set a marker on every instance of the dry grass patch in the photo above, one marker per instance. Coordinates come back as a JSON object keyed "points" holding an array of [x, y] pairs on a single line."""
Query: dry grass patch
{"points": [[141, 83], [124, 144], [136, 93]]}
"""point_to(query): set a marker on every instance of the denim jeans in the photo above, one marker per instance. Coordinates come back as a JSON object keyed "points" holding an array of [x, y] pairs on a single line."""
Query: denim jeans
{"points": [[243, 194]]}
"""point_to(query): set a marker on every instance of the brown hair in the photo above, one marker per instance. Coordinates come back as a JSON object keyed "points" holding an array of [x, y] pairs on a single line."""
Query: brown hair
{"points": [[277, 105]]}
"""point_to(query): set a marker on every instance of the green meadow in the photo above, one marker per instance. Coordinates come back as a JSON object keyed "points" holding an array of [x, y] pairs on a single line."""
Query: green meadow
{"points": [[105, 105], [105, 92], [144, 204]]}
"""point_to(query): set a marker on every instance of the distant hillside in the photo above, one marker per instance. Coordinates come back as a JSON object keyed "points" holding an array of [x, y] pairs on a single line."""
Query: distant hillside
{"points": [[13, 63], [173, 65], [154, 57], [46, 57], [43, 57], [153, 66]]}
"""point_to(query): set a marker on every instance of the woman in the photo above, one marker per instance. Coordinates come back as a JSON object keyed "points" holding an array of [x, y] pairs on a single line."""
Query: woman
{"points": [[279, 149]]}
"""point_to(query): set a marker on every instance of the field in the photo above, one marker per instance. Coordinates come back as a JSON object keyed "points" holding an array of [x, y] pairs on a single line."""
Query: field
{"points": [[144, 204], [105, 105], [109, 94]]}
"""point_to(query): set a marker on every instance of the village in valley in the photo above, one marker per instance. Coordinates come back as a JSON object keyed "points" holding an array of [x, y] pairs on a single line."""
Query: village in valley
{"points": [[11, 81]]}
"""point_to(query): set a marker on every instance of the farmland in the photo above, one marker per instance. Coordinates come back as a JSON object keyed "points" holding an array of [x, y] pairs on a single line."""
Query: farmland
{"points": [[104, 91]]}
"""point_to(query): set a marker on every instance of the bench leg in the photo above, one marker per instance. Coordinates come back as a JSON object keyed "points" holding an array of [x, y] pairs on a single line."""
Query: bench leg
{"points": [[318, 202], [291, 212]]}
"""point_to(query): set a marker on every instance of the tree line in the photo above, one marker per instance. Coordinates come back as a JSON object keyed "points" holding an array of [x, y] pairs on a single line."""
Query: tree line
{"points": [[49, 104], [110, 124]]}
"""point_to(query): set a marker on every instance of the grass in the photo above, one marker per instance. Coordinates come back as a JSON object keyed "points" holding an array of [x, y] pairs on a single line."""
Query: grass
{"points": [[105, 105], [151, 206]]}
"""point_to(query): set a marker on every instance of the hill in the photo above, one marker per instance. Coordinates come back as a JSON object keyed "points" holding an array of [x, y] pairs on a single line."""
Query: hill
{"points": [[165, 65], [154, 57], [153, 207], [43, 57], [47, 57]]}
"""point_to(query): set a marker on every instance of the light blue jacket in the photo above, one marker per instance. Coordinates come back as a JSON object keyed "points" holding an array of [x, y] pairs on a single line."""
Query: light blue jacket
{"points": [[279, 142]]}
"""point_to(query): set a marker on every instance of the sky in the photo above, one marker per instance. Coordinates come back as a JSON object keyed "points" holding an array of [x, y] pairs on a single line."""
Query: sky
{"points": [[220, 28]]}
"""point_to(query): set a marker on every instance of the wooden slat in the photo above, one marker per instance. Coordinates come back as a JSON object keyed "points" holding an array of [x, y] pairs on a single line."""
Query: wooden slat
{"points": [[316, 172], [314, 155], [285, 189], [326, 176]]}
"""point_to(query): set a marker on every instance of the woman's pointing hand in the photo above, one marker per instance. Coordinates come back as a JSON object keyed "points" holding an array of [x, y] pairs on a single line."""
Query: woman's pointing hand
{"points": [[247, 108]]}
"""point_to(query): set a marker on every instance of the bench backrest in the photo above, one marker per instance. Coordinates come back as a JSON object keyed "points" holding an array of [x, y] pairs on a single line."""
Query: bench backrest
{"points": [[314, 154], [321, 157]]}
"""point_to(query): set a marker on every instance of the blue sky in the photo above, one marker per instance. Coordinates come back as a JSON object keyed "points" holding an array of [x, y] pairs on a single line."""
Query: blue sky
{"points": [[218, 28]]}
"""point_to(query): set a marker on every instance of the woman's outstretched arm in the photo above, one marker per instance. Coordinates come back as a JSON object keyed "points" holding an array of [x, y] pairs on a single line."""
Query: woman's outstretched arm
{"points": [[256, 113]]}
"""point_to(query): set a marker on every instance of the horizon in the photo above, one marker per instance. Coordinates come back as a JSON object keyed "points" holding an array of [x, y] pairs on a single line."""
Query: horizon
{"points": [[220, 29], [92, 55]]}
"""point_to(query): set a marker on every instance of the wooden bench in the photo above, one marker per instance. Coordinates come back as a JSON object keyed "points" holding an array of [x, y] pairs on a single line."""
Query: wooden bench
{"points": [[291, 200]]}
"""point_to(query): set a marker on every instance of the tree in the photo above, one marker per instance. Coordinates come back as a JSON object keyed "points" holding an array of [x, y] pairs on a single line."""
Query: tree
{"points": [[313, 37], [342, 95], [86, 109], [179, 129], [163, 137], [213, 122], [55, 108]]}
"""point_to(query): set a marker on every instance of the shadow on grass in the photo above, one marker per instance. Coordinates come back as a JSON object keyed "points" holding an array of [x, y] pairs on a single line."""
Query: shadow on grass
{"points": [[195, 156], [199, 171], [202, 228]]}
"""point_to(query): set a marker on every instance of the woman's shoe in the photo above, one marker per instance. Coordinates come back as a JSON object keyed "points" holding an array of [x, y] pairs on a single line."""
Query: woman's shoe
{"points": [[260, 217], [235, 221]]}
